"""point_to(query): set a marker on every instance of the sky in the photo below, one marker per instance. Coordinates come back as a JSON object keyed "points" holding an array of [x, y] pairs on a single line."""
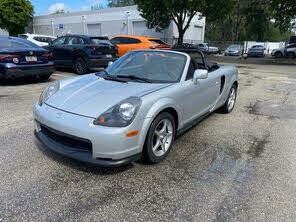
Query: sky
{"points": [[44, 7]]}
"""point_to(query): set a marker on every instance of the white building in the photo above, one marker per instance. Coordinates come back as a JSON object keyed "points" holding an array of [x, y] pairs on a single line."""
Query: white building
{"points": [[110, 22], [4, 32]]}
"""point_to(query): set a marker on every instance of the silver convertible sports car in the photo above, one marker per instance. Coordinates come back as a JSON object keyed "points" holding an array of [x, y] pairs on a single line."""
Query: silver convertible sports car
{"points": [[134, 109]]}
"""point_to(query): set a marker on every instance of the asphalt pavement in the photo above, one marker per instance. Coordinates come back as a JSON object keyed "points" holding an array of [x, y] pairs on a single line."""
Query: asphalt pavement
{"points": [[236, 167]]}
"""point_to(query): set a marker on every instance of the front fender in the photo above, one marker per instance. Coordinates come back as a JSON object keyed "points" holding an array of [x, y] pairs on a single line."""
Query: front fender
{"points": [[163, 104]]}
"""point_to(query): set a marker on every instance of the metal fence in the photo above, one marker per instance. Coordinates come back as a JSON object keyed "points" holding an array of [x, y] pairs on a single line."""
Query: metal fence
{"points": [[223, 45]]}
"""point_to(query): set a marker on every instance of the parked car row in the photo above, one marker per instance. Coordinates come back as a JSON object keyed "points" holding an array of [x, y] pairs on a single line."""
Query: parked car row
{"points": [[287, 51], [83, 53], [204, 47]]}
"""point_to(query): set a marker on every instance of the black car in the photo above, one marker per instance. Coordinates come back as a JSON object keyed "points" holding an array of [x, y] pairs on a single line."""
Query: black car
{"points": [[193, 47], [256, 51], [83, 52], [21, 58]]}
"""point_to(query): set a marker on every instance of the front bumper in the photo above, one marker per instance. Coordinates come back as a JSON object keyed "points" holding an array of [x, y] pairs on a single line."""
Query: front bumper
{"points": [[108, 146], [255, 54], [76, 154], [232, 53]]}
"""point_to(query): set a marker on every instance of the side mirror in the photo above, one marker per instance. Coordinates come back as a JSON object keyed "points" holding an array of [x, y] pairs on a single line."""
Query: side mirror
{"points": [[110, 63], [200, 74]]}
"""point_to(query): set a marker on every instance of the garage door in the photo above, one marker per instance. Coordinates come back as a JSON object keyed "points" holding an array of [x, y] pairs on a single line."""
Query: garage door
{"points": [[94, 29]]}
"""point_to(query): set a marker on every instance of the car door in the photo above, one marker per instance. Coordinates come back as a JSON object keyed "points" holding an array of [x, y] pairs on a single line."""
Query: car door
{"points": [[122, 44], [71, 45], [199, 98], [57, 48]]}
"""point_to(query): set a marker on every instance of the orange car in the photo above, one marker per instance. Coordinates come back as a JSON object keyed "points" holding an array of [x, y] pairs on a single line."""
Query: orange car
{"points": [[128, 43]]}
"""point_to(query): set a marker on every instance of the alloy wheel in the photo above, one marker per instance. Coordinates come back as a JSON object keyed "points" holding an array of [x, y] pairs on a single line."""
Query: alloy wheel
{"points": [[231, 99], [162, 137]]}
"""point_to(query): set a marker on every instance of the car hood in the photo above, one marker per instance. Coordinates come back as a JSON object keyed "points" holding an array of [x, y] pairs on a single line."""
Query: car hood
{"points": [[256, 50], [232, 50], [91, 95]]}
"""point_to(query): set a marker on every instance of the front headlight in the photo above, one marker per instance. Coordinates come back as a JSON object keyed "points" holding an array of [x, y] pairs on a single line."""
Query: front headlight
{"points": [[48, 92], [120, 115]]}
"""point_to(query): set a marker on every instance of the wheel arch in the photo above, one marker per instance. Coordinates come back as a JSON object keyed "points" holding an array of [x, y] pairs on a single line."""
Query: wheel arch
{"points": [[235, 83], [78, 54]]}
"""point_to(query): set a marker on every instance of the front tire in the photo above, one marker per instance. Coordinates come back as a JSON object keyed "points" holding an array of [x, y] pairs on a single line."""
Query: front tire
{"points": [[160, 138], [231, 100], [278, 55], [80, 66]]}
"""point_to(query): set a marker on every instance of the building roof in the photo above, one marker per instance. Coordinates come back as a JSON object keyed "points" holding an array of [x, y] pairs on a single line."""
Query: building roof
{"points": [[89, 12]]}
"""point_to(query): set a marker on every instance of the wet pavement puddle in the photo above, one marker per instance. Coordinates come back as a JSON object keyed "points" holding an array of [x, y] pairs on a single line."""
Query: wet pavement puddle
{"points": [[224, 167], [281, 111]]}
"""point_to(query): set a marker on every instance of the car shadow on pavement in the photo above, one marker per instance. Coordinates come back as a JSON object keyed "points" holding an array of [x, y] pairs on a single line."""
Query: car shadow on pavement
{"points": [[24, 81], [78, 165]]}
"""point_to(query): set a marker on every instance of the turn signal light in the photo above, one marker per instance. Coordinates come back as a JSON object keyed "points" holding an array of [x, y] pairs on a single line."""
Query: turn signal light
{"points": [[132, 133]]}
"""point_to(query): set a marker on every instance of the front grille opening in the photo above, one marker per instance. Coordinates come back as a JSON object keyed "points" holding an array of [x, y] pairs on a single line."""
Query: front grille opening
{"points": [[67, 140]]}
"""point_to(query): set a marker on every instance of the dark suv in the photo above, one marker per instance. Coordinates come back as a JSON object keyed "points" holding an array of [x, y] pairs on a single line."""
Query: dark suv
{"points": [[83, 52]]}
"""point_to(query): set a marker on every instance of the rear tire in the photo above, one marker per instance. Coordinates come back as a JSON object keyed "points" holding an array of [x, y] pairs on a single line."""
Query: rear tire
{"points": [[291, 55], [231, 100], [159, 139], [80, 66]]}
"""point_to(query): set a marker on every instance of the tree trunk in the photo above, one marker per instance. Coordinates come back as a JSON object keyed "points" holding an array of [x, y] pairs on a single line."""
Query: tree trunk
{"points": [[180, 39], [222, 32], [232, 31], [238, 22]]}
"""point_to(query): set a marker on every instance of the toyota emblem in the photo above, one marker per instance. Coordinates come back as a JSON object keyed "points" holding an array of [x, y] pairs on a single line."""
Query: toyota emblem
{"points": [[31, 53]]}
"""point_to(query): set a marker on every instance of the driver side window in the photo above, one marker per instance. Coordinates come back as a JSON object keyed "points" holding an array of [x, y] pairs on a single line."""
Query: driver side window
{"points": [[191, 70], [59, 41]]}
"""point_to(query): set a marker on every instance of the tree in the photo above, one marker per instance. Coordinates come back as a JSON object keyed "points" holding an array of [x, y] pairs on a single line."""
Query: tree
{"points": [[120, 3], [159, 14], [258, 19], [220, 12], [15, 15], [284, 13]]}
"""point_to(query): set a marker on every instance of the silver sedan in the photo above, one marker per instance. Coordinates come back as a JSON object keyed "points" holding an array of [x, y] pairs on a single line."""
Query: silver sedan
{"points": [[134, 109]]}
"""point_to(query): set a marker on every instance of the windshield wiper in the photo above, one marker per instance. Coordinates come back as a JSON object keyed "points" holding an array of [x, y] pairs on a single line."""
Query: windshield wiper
{"points": [[134, 77], [110, 77]]}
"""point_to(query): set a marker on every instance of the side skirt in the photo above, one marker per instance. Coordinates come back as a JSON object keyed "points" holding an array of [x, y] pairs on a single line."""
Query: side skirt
{"points": [[192, 123]]}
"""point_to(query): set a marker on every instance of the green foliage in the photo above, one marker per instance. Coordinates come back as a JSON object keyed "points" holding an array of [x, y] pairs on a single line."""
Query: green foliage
{"points": [[120, 3], [159, 14], [284, 13], [15, 15], [244, 20], [58, 12]]}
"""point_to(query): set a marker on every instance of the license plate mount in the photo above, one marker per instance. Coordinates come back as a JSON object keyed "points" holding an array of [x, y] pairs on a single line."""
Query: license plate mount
{"points": [[31, 58]]}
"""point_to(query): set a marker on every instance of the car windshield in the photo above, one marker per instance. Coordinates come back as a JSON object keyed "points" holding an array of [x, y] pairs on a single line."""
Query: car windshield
{"points": [[103, 41], [257, 47], [155, 66], [23, 36], [233, 47], [16, 43]]}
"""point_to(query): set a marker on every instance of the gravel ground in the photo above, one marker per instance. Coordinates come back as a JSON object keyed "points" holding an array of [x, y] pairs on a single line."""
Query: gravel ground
{"points": [[236, 167]]}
